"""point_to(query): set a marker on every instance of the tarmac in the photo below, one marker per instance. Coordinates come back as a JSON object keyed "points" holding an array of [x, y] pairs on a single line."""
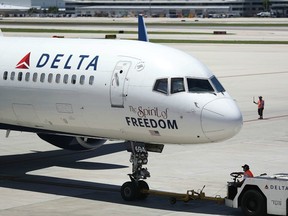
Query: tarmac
{"points": [[39, 179]]}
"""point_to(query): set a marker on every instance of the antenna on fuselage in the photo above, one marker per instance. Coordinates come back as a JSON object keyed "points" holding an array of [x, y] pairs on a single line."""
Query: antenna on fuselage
{"points": [[142, 32]]}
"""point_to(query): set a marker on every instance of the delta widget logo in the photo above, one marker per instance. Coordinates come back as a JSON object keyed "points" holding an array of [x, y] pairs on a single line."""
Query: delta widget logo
{"points": [[24, 63]]}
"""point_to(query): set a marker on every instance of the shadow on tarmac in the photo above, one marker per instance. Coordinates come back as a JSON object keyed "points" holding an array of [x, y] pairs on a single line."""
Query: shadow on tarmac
{"points": [[13, 169]]}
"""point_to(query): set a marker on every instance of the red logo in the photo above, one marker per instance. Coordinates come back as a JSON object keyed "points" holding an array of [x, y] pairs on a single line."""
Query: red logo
{"points": [[24, 63]]}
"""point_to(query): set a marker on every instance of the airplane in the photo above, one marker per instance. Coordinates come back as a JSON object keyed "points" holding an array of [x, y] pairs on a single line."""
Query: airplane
{"points": [[78, 93]]}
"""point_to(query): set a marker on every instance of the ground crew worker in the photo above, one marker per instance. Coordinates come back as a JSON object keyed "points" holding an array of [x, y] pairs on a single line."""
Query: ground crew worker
{"points": [[260, 104], [247, 173]]}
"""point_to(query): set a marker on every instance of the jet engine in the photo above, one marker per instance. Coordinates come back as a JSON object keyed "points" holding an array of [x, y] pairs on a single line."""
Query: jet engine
{"points": [[72, 143]]}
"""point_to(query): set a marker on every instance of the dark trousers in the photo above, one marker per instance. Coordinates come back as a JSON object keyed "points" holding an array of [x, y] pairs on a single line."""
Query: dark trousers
{"points": [[260, 112]]}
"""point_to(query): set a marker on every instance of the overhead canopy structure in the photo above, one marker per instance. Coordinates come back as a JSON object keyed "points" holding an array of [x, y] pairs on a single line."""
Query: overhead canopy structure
{"points": [[10, 8]]}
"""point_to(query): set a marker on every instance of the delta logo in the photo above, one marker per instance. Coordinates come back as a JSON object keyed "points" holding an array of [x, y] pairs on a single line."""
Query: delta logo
{"points": [[61, 61], [24, 63]]}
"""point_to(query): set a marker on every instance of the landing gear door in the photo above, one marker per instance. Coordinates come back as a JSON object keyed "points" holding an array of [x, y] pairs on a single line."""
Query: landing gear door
{"points": [[118, 82]]}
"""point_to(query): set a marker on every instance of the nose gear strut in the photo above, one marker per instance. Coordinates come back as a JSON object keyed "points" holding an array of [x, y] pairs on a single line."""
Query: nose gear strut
{"points": [[131, 190], [139, 157]]}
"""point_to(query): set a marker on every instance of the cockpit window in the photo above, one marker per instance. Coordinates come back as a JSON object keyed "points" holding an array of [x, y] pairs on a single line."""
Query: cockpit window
{"points": [[161, 85], [177, 85], [217, 84], [199, 85]]}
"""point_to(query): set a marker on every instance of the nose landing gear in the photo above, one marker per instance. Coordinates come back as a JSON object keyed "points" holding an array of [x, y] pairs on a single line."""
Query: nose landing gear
{"points": [[133, 189]]}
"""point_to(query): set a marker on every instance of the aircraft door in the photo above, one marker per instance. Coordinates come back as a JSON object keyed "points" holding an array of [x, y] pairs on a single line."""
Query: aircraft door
{"points": [[118, 82]]}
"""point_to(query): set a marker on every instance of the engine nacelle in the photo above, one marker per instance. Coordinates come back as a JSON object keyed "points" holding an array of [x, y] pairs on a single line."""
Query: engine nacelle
{"points": [[72, 143]]}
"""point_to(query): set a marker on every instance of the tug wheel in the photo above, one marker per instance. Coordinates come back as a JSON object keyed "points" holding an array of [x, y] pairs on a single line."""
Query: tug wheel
{"points": [[129, 191], [253, 203], [172, 200]]}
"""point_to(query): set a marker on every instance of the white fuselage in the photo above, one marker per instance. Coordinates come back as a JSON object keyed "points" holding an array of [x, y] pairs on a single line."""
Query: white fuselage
{"points": [[106, 88]]}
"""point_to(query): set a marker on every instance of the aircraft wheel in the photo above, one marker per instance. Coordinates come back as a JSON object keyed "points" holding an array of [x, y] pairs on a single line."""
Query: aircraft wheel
{"points": [[129, 191], [142, 185], [253, 203]]}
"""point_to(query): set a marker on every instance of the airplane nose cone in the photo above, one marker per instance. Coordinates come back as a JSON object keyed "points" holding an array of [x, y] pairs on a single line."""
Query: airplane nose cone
{"points": [[221, 119]]}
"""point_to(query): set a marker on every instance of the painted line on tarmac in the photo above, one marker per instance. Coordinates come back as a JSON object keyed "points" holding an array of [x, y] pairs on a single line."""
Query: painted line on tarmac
{"points": [[269, 118], [259, 74]]}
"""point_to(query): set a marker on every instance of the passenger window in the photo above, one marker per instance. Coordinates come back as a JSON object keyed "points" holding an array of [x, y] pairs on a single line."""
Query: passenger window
{"points": [[91, 80], [65, 79], [12, 75], [161, 85], [35, 75], [177, 85], [58, 77], [27, 77], [42, 77], [5, 75], [73, 79], [82, 79], [199, 85], [20, 75], [50, 77]]}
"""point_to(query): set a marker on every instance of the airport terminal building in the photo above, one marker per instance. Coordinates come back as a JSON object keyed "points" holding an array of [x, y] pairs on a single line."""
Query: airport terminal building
{"points": [[175, 8], [159, 8]]}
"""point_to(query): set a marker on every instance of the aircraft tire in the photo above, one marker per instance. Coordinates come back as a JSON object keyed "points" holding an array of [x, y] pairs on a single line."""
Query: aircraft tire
{"points": [[129, 191], [142, 185]]}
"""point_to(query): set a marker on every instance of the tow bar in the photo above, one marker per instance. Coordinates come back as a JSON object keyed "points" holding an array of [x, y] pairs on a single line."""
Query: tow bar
{"points": [[190, 195]]}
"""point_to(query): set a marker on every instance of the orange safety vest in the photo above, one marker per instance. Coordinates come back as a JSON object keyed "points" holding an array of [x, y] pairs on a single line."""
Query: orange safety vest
{"points": [[248, 174], [260, 104]]}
